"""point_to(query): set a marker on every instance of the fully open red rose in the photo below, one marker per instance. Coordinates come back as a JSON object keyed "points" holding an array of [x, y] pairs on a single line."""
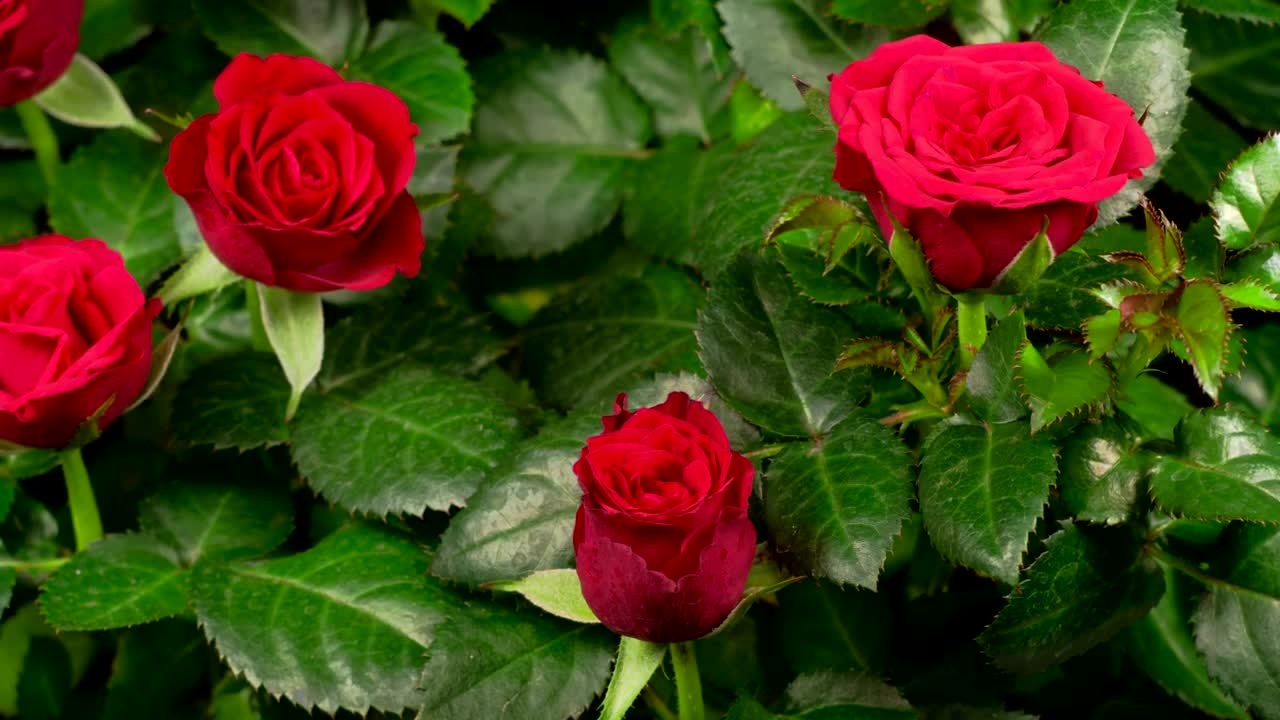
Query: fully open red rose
{"points": [[299, 180], [38, 39], [75, 334], [971, 148], [662, 538]]}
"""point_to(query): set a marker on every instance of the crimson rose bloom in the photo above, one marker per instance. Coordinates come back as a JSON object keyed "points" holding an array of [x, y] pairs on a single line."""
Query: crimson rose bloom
{"points": [[75, 334], [662, 538], [38, 39], [299, 180], [971, 148]]}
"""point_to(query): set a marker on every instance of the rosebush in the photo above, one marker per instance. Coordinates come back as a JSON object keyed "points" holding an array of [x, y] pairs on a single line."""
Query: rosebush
{"points": [[746, 359]]}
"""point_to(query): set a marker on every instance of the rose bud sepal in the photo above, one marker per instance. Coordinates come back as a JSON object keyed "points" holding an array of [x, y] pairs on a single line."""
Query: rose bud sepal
{"points": [[294, 326]]}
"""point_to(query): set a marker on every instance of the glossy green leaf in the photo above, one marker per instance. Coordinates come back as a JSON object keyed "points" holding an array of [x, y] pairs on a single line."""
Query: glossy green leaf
{"points": [[238, 402], [895, 13], [493, 661], [221, 522], [1089, 584], [119, 581], [990, 385], [1247, 201], [332, 31], [111, 25], [556, 591], [1203, 150], [521, 518], [774, 40], [1156, 407], [1257, 386], [294, 322], [1255, 11], [639, 323], [157, 666], [1062, 299], [553, 136], [669, 197], [409, 440], [467, 12], [8, 578], [1135, 47], [425, 72], [677, 77], [1161, 644], [826, 627], [46, 682], [771, 353], [1227, 466], [1236, 65], [836, 505], [855, 696], [792, 157], [1204, 325], [114, 189], [1102, 473], [750, 112], [982, 489], [637, 661], [361, 596], [1251, 295], [1061, 385], [1204, 250], [1238, 633], [989, 21], [84, 95]]}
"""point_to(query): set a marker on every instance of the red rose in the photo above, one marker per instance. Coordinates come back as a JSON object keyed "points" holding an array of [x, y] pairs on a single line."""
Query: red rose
{"points": [[299, 180], [662, 538], [38, 39], [75, 334], [971, 148]]}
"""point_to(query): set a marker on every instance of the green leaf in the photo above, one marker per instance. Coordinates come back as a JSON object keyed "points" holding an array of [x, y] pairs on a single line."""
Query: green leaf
{"points": [[46, 682], [84, 95], [1205, 147], [222, 522], [157, 666], [637, 662], [856, 696], [836, 505], [557, 591], [825, 627], [238, 402], [774, 40], [989, 21], [1257, 386], [494, 662], [1204, 325], [677, 77], [1062, 385], [1156, 407], [895, 13], [1102, 473], [639, 324], [1062, 298], [467, 12], [410, 440], [1239, 635], [426, 72], [109, 26], [1089, 584], [294, 322], [119, 581], [770, 353], [1161, 644], [668, 198], [8, 578], [20, 466], [1247, 201], [990, 384], [344, 624], [750, 112], [332, 31], [521, 518], [1236, 65], [1264, 12], [553, 137], [1227, 466], [792, 157], [1135, 47], [114, 189], [982, 488]]}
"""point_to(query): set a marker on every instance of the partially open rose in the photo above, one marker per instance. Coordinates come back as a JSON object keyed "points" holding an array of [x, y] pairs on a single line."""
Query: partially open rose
{"points": [[38, 39], [972, 148], [662, 539]]}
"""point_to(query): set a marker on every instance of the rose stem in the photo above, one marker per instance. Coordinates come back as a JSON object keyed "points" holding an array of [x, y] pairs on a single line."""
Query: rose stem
{"points": [[688, 682], [84, 508], [43, 140], [35, 566], [973, 325]]}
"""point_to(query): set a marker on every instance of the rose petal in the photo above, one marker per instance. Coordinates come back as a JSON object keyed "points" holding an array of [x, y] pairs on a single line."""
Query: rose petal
{"points": [[248, 75]]}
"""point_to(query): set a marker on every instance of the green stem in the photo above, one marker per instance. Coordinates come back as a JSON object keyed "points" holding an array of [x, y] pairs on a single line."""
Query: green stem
{"points": [[35, 566], [688, 682], [766, 451], [973, 325], [84, 508], [258, 331], [656, 704], [43, 140]]}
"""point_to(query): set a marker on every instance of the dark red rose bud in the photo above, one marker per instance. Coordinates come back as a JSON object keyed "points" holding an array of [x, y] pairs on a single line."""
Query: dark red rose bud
{"points": [[38, 39], [298, 181], [662, 539], [75, 334], [973, 148]]}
